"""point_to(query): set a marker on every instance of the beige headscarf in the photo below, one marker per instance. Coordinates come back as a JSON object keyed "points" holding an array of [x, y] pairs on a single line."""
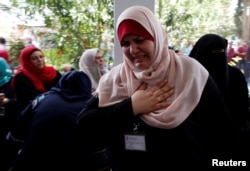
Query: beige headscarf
{"points": [[88, 65], [187, 75]]}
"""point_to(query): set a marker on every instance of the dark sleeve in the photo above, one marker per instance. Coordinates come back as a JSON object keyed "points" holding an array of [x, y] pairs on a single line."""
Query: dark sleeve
{"points": [[239, 93], [99, 122], [9, 93], [20, 129], [119, 112], [54, 83], [24, 90]]}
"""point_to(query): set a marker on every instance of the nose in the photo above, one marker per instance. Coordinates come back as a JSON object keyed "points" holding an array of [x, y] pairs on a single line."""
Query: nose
{"points": [[40, 58], [133, 49]]}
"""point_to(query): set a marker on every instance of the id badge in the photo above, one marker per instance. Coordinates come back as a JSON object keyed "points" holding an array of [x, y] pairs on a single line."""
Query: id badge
{"points": [[135, 142]]}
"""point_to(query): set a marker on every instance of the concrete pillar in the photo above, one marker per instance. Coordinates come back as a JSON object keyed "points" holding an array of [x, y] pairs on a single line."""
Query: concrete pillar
{"points": [[121, 5]]}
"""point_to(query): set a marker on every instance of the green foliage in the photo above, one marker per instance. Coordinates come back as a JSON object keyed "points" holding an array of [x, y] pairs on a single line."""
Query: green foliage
{"points": [[52, 57], [77, 25], [237, 18], [81, 24], [15, 47], [186, 20]]}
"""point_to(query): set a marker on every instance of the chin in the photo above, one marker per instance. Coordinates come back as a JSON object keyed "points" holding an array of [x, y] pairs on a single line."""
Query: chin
{"points": [[41, 67], [141, 66]]}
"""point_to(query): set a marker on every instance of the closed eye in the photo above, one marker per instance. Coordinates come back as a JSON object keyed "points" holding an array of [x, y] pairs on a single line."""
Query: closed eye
{"points": [[137, 40], [125, 44]]}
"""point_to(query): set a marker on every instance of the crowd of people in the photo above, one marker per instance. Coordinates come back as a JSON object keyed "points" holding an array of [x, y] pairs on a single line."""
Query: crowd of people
{"points": [[158, 109], [240, 56], [22, 107]]}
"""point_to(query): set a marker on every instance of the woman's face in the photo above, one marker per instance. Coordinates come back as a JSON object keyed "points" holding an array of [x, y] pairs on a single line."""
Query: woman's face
{"points": [[37, 59], [99, 59], [138, 50]]}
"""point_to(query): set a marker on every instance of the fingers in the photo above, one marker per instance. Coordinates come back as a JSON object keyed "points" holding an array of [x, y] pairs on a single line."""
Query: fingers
{"points": [[159, 85], [162, 83], [161, 91], [166, 95], [164, 92], [159, 99], [156, 97], [161, 105]]}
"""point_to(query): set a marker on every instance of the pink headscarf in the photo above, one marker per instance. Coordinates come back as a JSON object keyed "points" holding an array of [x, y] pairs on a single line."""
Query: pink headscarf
{"points": [[188, 76]]}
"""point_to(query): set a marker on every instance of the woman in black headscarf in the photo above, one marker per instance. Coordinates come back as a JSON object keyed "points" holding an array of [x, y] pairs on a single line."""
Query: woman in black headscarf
{"points": [[210, 51]]}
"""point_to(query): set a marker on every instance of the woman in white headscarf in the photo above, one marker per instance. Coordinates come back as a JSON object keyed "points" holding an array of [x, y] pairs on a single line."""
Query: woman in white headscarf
{"points": [[93, 64], [192, 131]]}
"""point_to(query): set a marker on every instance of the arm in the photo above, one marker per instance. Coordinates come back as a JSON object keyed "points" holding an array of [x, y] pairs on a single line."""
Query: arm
{"points": [[100, 120], [20, 129], [24, 90], [239, 91], [8, 100], [54, 83], [142, 101]]}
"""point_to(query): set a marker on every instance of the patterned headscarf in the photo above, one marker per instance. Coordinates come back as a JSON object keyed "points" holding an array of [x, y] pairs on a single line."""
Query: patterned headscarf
{"points": [[186, 74]]}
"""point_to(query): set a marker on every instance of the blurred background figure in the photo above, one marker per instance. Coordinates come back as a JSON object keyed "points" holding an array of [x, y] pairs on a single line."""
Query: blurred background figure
{"points": [[47, 135], [210, 51], [93, 64], [67, 68], [230, 52], [8, 115], [3, 50], [33, 77], [28, 41], [242, 52]]}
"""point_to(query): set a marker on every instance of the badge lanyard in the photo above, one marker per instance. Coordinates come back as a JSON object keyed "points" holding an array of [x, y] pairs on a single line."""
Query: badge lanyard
{"points": [[135, 141]]}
